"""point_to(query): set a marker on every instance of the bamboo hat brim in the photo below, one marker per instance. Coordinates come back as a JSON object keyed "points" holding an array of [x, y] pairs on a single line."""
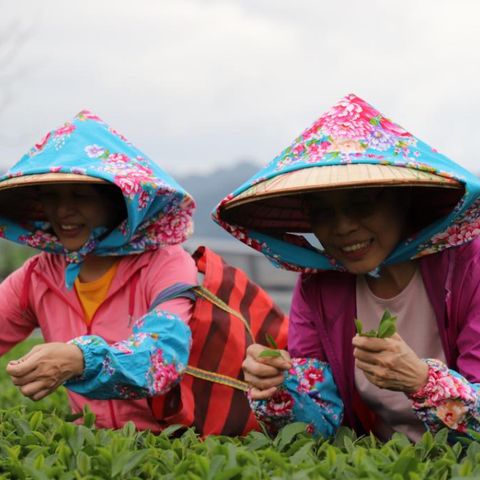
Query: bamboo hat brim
{"points": [[20, 203], [276, 203], [47, 178], [340, 176]]}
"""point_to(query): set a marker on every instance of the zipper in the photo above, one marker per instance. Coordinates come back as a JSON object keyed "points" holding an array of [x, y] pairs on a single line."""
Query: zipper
{"points": [[80, 312]]}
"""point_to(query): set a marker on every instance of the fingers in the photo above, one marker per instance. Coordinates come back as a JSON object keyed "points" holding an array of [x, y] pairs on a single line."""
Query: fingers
{"points": [[23, 380], [38, 389], [372, 344], [264, 374], [23, 365], [256, 394], [366, 356], [282, 362]]}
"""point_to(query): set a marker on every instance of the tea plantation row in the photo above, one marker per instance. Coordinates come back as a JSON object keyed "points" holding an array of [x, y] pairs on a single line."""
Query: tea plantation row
{"points": [[39, 441]]}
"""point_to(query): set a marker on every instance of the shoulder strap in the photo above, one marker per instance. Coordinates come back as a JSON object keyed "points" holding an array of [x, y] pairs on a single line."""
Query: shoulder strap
{"points": [[174, 291]]}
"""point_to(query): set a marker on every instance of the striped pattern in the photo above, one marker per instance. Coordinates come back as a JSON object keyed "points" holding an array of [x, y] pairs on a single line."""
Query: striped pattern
{"points": [[212, 397]]}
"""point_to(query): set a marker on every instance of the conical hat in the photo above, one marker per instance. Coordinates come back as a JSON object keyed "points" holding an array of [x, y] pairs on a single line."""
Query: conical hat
{"points": [[351, 146], [340, 176]]}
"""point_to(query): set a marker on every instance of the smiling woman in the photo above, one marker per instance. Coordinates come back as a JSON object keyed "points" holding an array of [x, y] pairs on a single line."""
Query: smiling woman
{"points": [[109, 222], [398, 223], [75, 210]]}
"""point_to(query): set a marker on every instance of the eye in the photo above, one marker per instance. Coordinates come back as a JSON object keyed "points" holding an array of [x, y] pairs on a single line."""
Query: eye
{"points": [[46, 195], [84, 194], [321, 213]]}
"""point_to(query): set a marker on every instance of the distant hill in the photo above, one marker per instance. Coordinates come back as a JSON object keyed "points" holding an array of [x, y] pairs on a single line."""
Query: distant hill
{"points": [[209, 189]]}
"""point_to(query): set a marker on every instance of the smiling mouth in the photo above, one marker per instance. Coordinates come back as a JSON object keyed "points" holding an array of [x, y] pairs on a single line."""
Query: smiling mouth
{"points": [[355, 247], [69, 230]]}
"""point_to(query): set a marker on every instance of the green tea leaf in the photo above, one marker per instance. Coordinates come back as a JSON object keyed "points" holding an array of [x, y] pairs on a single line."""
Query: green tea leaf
{"points": [[387, 326], [269, 353], [358, 326], [387, 329], [270, 341]]}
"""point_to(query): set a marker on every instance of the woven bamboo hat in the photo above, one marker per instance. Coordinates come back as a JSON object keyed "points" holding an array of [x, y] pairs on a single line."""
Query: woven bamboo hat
{"points": [[47, 178], [278, 203], [18, 197], [351, 146]]}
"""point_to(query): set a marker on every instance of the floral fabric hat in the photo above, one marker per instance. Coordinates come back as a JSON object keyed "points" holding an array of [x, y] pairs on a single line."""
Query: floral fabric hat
{"points": [[351, 146], [159, 211]]}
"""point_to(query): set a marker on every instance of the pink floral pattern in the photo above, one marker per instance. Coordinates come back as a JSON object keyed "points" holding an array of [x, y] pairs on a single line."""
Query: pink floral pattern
{"points": [[447, 400], [161, 374], [307, 393], [350, 129], [465, 228]]}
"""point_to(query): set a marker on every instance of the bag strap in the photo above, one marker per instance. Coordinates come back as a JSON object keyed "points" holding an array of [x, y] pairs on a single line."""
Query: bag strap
{"points": [[217, 378], [185, 290], [191, 292], [176, 290]]}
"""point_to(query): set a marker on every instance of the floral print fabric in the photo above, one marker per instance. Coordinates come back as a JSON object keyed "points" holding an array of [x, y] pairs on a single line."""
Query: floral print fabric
{"points": [[159, 210], [354, 132], [150, 362], [447, 400], [308, 395]]}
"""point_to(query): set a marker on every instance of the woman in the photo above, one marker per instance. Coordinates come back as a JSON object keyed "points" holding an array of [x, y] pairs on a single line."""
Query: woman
{"points": [[110, 223], [397, 224]]}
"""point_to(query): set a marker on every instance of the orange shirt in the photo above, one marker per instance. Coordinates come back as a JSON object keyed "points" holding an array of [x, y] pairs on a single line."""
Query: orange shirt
{"points": [[92, 294]]}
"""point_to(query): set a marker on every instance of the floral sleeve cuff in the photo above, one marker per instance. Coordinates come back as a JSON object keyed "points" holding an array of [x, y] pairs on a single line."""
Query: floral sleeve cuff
{"points": [[443, 384], [308, 394], [88, 344], [446, 400], [148, 363]]}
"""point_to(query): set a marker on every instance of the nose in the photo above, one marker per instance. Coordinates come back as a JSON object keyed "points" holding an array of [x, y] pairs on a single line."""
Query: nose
{"points": [[65, 206], [344, 223]]}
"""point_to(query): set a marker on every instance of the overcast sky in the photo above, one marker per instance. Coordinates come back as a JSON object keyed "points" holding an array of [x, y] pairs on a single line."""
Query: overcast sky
{"points": [[200, 84]]}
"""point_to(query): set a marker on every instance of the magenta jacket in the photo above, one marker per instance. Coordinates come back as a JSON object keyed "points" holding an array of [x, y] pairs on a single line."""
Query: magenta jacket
{"points": [[324, 306]]}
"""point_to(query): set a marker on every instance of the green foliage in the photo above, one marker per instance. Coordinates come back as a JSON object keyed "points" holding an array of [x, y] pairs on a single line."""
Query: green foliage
{"points": [[37, 441], [12, 256], [386, 328]]}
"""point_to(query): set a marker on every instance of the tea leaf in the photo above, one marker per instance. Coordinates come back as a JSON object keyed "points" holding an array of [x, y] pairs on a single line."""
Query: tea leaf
{"points": [[268, 353], [270, 341], [358, 326], [387, 329]]}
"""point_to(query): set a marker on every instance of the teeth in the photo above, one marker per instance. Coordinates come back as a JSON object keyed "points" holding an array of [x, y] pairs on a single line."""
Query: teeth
{"points": [[68, 227], [356, 246]]}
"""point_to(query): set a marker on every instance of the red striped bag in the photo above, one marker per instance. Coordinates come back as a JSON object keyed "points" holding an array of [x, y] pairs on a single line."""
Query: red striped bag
{"points": [[230, 313]]}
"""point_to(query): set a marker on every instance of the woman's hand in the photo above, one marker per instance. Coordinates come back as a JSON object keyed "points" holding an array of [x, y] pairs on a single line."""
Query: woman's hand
{"points": [[264, 374], [390, 363], [45, 367]]}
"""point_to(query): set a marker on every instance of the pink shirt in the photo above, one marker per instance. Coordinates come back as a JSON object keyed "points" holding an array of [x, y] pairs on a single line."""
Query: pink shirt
{"points": [[417, 325]]}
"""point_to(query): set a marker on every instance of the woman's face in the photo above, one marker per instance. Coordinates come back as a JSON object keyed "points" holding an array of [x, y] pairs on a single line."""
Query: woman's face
{"points": [[358, 227], [74, 210]]}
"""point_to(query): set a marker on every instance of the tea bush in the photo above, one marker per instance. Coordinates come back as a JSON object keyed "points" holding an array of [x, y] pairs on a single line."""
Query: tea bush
{"points": [[39, 441]]}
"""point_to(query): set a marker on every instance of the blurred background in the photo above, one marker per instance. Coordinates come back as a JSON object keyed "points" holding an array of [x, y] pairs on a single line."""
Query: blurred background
{"points": [[213, 89]]}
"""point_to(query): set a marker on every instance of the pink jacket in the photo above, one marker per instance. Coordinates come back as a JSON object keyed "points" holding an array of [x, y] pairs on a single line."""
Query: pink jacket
{"points": [[35, 296]]}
